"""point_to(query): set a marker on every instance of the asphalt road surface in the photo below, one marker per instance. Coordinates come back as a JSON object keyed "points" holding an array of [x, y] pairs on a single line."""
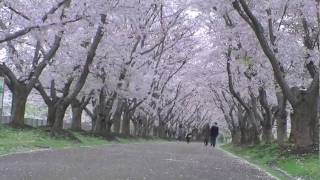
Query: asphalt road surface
{"points": [[150, 161]]}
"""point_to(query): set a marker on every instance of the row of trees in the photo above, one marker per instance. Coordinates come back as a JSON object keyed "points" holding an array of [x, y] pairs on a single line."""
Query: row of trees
{"points": [[158, 64], [270, 51], [118, 61]]}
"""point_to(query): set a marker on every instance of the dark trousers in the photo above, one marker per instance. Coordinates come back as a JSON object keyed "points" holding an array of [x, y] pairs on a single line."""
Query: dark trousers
{"points": [[213, 141], [206, 141], [188, 139]]}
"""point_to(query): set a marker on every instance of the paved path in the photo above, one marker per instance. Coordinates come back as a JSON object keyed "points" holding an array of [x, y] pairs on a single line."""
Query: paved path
{"points": [[159, 161]]}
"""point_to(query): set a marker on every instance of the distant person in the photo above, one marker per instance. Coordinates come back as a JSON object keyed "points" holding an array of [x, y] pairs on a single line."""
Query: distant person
{"points": [[180, 132], [206, 134], [188, 137], [214, 132]]}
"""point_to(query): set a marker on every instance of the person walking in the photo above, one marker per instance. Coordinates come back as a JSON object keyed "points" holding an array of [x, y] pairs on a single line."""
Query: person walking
{"points": [[180, 132], [188, 137], [206, 134], [214, 132]]}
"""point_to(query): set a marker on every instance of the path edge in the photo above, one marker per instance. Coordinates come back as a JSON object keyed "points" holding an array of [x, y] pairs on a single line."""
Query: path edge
{"points": [[247, 162], [32, 151]]}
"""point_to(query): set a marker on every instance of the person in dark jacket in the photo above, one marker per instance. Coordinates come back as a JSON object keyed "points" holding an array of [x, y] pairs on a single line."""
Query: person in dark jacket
{"points": [[214, 132], [188, 137], [206, 133]]}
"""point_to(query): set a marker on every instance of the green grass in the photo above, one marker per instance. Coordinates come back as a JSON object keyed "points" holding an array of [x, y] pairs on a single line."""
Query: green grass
{"points": [[306, 166], [21, 140]]}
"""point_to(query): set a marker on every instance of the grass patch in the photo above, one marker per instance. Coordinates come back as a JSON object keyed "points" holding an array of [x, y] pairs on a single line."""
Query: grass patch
{"points": [[270, 157], [20, 140]]}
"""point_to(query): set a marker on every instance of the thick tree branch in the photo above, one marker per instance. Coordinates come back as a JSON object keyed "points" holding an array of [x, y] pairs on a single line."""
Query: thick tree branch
{"points": [[230, 82], [5, 70], [24, 31], [38, 86], [18, 12], [47, 57], [17, 34], [172, 75], [55, 8], [258, 30], [66, 88], [53, 92], [90, 57], [90, 113]]}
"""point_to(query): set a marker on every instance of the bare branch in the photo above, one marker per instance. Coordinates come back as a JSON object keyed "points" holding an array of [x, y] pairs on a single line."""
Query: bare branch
{"points": [[18, 12]]}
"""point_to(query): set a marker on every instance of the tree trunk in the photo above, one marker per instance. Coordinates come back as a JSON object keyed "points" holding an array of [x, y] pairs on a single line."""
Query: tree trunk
{"points": [[242, 126], [117, 118], [19, 100], [108, 120], [281, 129], [100, 125], [162, 130], [126, 123], [251, 114], [267, 120], [243, 137], [292, 129], [267, 134], [254, 131], [303, 117], [103, 125], [94, 116], [316, 130], [93, 124], [116, 123], [148, 127], [51, 114], [155, 131], [76, 115], [144, 128], [68, 95], [135, 129], [304, 102], [59, 116], [109, 125], [281, 119], [143, 131], [253, 136], [97, 129], [249, 134], [236, 137]]}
